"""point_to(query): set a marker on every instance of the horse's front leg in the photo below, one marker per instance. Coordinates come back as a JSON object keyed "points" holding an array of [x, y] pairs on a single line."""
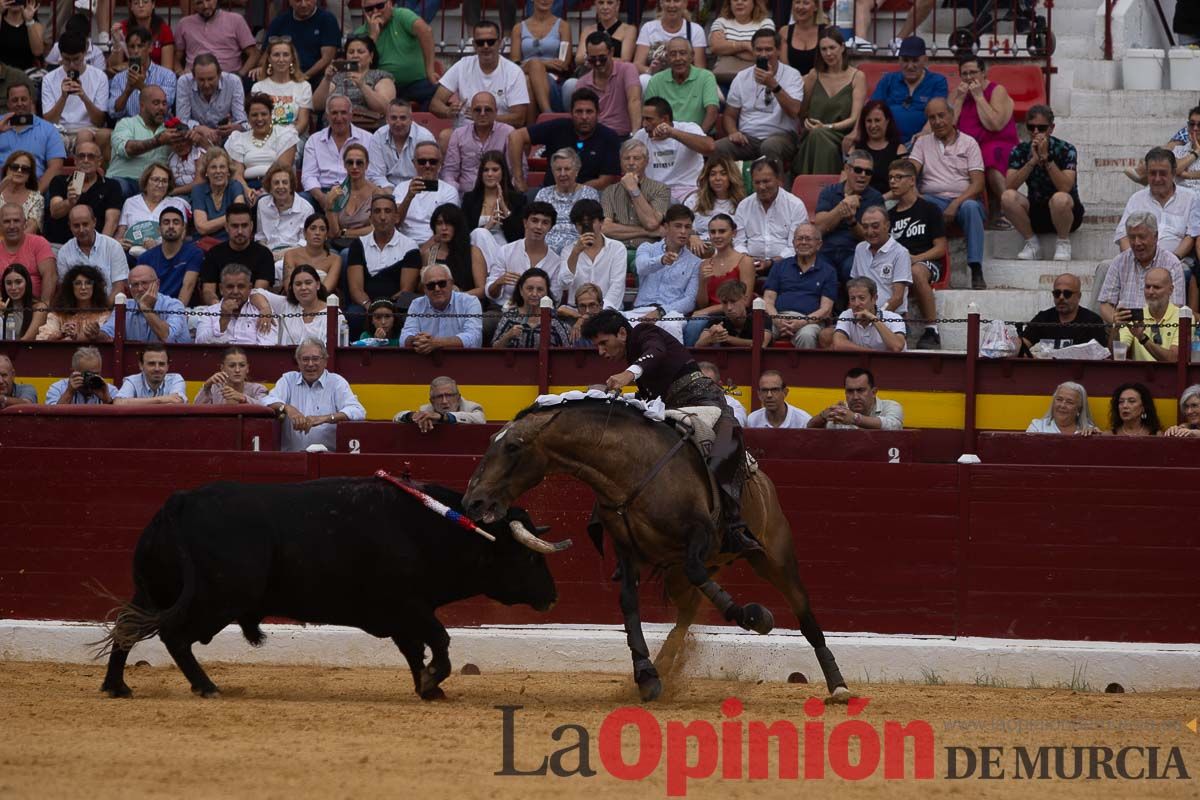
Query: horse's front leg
{"points": [[644, 673]]}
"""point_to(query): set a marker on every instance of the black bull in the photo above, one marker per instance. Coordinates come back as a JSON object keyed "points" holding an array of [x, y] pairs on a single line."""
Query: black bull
{"points": [[341, 551]]}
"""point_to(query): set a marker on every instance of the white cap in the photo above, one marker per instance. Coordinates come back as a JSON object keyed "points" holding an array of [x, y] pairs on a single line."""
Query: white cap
{"points": [[546, 302], [316, 448], [759, 304], [966, 458]]}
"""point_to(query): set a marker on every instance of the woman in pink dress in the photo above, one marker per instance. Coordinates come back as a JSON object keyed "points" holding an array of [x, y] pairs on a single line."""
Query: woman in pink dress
{"points": [[984, 111]]}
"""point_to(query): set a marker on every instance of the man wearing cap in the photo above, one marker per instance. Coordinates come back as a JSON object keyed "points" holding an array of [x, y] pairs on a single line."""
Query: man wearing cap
{"points": [[906, 92]]}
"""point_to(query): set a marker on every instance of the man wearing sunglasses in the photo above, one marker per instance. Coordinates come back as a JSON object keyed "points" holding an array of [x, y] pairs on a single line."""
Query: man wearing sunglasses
{"points": [[1154, 334], [313, 30], [1046, 165], [405, 45], [486, 71], [1067, 323], [840, 207], [39, 137], [418, 198], [614, 81], [103, 195], [468, 143], [444, 317]]}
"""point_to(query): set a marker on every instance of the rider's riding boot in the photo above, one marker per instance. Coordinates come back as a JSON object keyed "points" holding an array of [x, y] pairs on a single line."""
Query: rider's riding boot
{"points": [[727, 459]]}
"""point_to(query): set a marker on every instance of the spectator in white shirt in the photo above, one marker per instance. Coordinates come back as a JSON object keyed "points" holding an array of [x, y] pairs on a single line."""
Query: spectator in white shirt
{"points": [[763, 107], [884, 260], [866, 326], [391, 149], [418, 197], [677, 149], [594, 258], [486, 71], [235, 319], [94, 249], [323, 167], [75, 94], [313, 401], [775, 411], [766, 219], [1175, 208], [532, 251], [282, 213], [153, 385]]}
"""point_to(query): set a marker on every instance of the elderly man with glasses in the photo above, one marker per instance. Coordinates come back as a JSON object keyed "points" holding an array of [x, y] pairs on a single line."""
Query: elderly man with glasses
{"points": [[444, 317], [311, 401], [100, 193], [323, 166], [419, 197], [486, 71], [840, 207], [446, 406], [468, 143], [1046, 166]]}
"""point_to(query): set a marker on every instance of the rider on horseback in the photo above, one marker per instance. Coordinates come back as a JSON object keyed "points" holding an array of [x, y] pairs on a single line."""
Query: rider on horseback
{"points": [[662, 367]]}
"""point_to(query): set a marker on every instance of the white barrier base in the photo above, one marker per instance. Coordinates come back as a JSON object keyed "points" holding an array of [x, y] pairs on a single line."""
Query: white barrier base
{"points": [[713, 652]]}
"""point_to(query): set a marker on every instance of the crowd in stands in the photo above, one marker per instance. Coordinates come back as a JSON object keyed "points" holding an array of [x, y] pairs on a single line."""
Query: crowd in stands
{"points": [[228, 185]]}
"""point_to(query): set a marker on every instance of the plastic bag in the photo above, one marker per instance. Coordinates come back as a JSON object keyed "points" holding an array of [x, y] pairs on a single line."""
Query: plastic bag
{"points": [[998, 340]]}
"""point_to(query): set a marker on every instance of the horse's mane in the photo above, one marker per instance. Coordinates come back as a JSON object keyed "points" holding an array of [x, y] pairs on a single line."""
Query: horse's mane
{"points": [[587, 403]]}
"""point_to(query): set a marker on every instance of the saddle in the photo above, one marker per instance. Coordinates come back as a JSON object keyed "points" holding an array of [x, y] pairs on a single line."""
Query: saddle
{"points": [[697, 424]]}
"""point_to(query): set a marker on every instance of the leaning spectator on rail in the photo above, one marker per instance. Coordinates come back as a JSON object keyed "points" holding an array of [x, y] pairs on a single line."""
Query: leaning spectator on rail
{"points": [[93, 249], [735, 326], [11, 392], [840, 209], [767, 219], [884, 260], [776, 412], [1175, 208], [713, 373], [1155, 336], [312, 400], [150, 316], [866, 326], [1047, 166], [1189, 413], [1068, 413], [153, 385], [800, 290], [446, 406], [863, 410], [230, 384], [1067, 323], [951, 167], [240, 317], [589, 301], [444, 317], [1125, 281], [85, 386]]}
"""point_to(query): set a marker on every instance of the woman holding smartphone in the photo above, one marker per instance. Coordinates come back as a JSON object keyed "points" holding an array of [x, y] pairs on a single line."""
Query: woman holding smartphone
{"points": [[370, 89]]}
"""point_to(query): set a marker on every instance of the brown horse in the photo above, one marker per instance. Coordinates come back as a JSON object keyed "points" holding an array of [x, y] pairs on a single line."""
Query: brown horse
{"points": [[655, 501]]}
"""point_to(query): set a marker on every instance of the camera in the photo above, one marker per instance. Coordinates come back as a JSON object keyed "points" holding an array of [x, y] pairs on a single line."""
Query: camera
{"points": [[92, 383]]}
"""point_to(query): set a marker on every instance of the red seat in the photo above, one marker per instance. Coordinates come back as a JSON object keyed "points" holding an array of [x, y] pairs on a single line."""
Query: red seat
{"points": [[944, 281], [1025, 84], [546, 116], [433, 122], [950, 72], [808, 188], [874, 72], [535, 179]]}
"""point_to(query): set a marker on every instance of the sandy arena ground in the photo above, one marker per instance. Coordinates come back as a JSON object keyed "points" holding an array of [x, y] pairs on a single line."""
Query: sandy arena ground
{"points": [[285, 732]]}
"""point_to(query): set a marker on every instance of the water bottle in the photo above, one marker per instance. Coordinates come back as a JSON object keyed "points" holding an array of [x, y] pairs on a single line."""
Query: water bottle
{"points": [[1195, 348], [11, 327]]}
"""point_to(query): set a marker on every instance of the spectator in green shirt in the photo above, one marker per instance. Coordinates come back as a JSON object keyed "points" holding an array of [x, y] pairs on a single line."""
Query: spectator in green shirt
{"points": [[691, 90], [405, 45]]}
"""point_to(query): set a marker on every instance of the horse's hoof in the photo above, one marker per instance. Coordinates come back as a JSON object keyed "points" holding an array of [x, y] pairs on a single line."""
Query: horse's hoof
{"points": [[649, 689], [120, 690], [757, 618], [435, 693], [840, 696]]}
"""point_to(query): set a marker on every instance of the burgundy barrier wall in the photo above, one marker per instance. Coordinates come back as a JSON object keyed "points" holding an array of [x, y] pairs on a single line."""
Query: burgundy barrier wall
{"points": [[182, 427], [1006, 550]]}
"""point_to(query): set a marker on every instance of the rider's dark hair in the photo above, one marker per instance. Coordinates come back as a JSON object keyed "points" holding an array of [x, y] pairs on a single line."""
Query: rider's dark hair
{"points": [[608, 321]]}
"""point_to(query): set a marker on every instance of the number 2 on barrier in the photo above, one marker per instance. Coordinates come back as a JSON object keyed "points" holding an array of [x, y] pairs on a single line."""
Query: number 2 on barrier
{"points": [[355, 447], [893, 455]]}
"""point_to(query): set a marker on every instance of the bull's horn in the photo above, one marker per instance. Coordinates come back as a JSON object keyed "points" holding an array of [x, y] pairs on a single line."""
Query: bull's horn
{"points": [[522, 535]]}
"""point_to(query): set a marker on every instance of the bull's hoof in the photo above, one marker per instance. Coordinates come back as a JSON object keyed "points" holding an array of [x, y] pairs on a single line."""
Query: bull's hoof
{"points": [[207, 692], [839, 696], [757, 618], [117, 690], [649, 689], [430, 678], [435, 693]]}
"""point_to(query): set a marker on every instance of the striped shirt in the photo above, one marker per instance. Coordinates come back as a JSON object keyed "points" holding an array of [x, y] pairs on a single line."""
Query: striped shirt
{"points": [[1125, 283]]}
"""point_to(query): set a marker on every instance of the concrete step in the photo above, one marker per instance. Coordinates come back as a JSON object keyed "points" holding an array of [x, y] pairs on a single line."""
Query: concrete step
{"points": [[1110, 183], [1091, 243], [1089, 71], [1011, 305], [1036, 276], [1132, 104], [1119, 130]]}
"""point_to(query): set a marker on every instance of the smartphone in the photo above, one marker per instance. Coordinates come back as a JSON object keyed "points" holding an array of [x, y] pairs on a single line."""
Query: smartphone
{"points": [[345, 65], [73, 74], [135, 67], [431, 185], [762, 63], [1136, 315], [21, 119], [76, 182]]}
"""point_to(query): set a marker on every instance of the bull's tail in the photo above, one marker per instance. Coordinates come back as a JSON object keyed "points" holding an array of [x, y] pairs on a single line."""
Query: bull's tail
{"points": [[129, 623]]}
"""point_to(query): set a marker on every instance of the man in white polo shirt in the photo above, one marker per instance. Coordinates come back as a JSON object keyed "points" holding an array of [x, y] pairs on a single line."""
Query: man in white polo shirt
{"points": [[677, 149], [486, 71], [763, 107], [866, 326], [94, 249], [775, 411], [884, 260], [417, 198]]}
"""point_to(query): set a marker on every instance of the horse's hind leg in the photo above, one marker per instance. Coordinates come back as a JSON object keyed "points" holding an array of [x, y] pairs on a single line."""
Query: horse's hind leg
{"points": [[644, 673], [686, 599], [785, 576], [751, 617]]}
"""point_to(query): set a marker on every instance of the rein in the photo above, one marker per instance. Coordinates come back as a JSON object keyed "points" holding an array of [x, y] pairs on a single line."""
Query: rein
{"points": [[646, 479]]}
